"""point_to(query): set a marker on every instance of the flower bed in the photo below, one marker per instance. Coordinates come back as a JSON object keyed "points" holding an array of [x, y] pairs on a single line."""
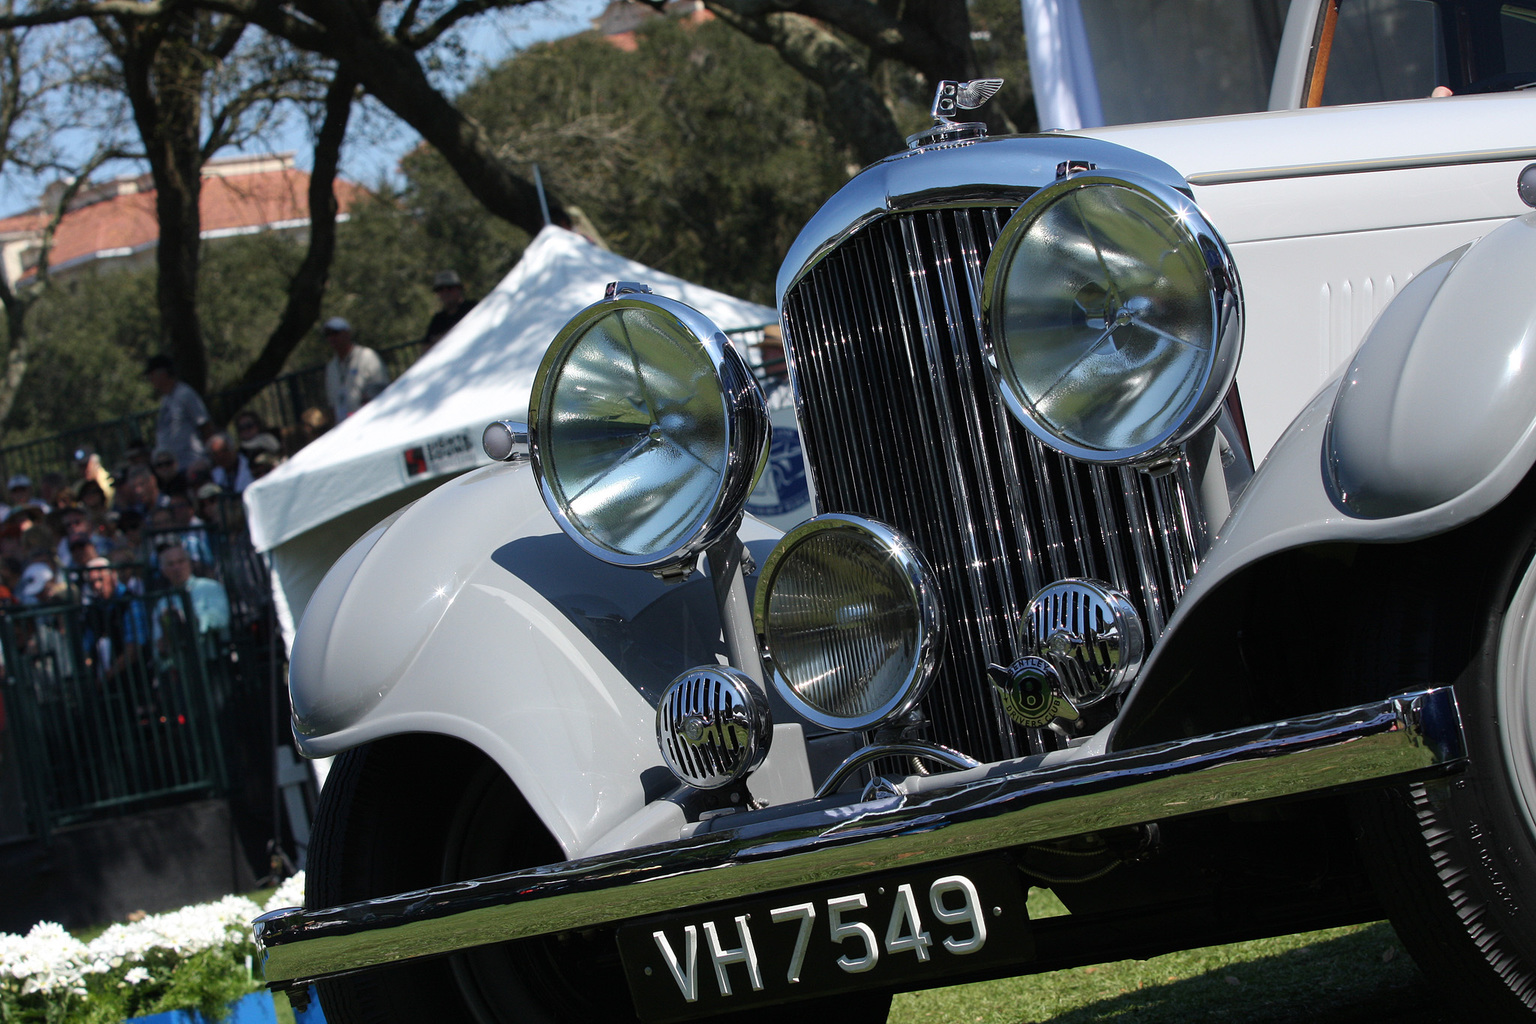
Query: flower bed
{"points": [[198, 959]]}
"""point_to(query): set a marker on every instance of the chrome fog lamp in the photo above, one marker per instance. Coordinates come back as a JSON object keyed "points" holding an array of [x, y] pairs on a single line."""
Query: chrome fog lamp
{"points": [[847, 616], [1113, 316], [1090, 632], [646, 431], [713, 726]]}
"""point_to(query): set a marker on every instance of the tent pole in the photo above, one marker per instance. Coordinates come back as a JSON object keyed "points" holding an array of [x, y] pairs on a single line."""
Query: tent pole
{"points": [[538, 183]]}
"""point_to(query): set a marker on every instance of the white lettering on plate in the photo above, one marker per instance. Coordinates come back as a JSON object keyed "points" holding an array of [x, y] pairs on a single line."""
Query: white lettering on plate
{"points": [[743, 954], [967, 912], [905, 932], [806, 912], [687, 979], [843, 930]]}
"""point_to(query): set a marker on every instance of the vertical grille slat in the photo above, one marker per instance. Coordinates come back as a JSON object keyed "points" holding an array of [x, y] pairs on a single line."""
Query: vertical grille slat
{"points": [[1142, 532], [957, 707], [908, 479], [1041, 462], [1013, 515], [902, 424]]}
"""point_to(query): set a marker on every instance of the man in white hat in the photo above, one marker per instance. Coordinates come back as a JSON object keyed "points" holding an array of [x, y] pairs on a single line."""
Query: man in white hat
{"points": [[355, 373], [35, 579], [19, 491]]}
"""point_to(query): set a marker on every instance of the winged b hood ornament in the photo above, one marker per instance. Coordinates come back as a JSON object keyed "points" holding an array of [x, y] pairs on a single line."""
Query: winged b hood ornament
{"points": [[948, 100]]}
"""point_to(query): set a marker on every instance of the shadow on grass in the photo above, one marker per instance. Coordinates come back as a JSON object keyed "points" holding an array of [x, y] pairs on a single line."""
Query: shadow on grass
{"points": [[1361, 978]]}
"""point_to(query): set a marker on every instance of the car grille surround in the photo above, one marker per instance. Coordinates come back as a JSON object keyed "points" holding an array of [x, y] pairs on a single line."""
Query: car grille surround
{"points": [[901, 422]]}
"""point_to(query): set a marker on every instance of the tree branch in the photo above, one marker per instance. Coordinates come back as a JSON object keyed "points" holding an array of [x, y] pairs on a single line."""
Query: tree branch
{"points": [[280, 21], [307, 287], [451, 17], [228, 37], [860, 114], [50, 15], [930, 36]]}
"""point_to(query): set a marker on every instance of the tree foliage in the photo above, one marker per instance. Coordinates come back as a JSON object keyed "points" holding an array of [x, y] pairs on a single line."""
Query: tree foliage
{"points": [[92, 333], [91, 336], [699, 153], [39, 73]]}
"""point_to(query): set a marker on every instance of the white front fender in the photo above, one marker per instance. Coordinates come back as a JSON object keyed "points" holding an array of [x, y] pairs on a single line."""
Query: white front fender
{"points": [[469, 614], [1432, 425]]}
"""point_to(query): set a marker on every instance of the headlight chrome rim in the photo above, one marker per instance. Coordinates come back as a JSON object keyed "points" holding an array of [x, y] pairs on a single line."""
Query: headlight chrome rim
{"points": [[918, 585], [1201, 404], [742, 416]]}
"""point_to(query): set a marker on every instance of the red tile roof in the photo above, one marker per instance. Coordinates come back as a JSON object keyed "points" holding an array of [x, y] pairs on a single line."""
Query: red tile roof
{"points": [[230, 205]]}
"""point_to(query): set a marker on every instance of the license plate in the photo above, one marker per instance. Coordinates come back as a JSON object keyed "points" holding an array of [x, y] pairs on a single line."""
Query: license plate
{"points": [[869, 932]]}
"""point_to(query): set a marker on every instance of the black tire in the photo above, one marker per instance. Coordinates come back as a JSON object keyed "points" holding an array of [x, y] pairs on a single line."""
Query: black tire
{"points": [[403, 814], [411, 812], [1454, 862]]}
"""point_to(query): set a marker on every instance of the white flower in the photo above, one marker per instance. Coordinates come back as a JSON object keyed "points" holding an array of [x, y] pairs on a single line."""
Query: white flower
{"points": [[50, 961], [184, 932], [47, 960], [289, 894]]}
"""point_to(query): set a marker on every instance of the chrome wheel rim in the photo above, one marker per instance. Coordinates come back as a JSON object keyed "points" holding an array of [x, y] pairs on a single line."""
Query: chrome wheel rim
{"points": [[1516, 703]]}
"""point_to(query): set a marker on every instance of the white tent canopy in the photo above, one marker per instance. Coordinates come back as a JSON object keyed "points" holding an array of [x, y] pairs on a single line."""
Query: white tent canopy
{"points": [[427, 424]]}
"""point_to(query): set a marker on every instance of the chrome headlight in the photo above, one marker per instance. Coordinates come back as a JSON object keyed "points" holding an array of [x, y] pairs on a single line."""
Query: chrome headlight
{"points": [[1113, 317], [847, 616], [646, 431]]}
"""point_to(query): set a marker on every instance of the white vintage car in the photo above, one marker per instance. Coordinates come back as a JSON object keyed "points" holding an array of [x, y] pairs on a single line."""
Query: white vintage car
{"points": [[610, 749]]}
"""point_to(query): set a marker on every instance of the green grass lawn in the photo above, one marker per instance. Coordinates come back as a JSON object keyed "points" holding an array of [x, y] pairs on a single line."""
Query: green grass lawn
{"points": [[1356, 975]]}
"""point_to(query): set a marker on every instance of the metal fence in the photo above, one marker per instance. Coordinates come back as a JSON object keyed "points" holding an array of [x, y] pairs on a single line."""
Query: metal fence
{"points": [[220, 547], [112, 705]]}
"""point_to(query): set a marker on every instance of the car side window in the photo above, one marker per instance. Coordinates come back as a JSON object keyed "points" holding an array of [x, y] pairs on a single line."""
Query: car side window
{"points": [[1517, 26], [1385, 50]]}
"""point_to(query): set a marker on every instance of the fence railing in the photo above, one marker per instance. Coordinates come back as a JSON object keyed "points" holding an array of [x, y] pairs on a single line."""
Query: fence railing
{"points": [[112, 705], [220, 548], [109, 705]]}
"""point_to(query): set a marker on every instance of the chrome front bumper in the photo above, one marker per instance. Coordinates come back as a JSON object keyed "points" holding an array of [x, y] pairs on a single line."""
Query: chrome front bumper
{"points": [[943, 817]]}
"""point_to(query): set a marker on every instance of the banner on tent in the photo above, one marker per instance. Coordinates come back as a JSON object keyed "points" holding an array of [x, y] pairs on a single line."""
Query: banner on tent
{"points": [[444, 454]]}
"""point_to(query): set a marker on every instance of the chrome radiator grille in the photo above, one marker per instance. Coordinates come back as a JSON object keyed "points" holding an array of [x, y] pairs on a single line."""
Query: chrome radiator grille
{"points": [[901, 423]]}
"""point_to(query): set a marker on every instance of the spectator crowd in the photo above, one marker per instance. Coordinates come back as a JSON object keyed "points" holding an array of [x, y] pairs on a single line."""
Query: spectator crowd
{"points": [[114, 521], [87, 533]]}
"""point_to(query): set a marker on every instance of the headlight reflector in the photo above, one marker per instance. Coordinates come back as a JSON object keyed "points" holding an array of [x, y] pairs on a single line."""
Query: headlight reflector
{"points": [[847, 616], [647, 431], [1114, 317]]}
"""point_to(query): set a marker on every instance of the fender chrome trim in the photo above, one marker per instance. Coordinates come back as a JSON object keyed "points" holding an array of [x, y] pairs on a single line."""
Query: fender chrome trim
{"points": [[1398, 163], [939, 818]]}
